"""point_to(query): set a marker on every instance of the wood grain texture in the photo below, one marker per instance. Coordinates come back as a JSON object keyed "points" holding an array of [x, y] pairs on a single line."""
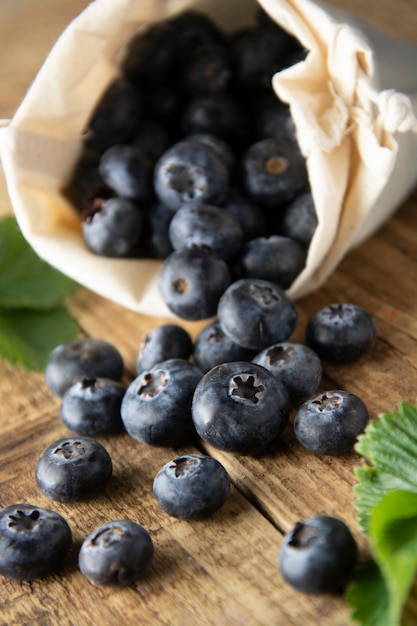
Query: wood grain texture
{"points": [[223, 570]]}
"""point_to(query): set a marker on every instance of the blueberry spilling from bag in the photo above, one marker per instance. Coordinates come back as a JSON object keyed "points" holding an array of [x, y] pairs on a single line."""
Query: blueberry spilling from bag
{"points": [[189, 152]]}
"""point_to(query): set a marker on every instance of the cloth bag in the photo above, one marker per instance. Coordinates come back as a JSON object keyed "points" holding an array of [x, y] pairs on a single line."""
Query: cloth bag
{"points": [[351, 99]]}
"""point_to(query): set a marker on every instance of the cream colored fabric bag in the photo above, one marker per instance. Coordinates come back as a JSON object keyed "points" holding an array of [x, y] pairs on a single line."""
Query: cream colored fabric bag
{"points": [[352, 106]]}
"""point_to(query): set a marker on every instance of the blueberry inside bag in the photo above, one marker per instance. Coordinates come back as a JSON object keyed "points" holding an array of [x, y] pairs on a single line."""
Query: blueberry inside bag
{"points": [[352, 107]]}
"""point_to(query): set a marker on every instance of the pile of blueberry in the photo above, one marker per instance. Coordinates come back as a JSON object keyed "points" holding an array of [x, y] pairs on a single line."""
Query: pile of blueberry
{"points": [[34, 542], [190, 157], [187, 392]]}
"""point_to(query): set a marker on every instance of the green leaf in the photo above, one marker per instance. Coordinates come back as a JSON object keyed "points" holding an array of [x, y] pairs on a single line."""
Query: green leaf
{"points": [[393, 534], [27, 337], [26, 281], [370, 490], [390, 445], [387, 511], [368, 596]]}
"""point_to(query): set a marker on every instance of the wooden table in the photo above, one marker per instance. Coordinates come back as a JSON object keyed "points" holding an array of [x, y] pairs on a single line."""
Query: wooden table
{"points": [[224, 570]]}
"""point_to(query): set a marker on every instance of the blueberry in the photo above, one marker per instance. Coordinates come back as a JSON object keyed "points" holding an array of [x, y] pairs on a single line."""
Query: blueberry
{"points": [[212, 347], [206, 226], [206, 71], [274, 120], [164, 103], [222, 149], [151, 56], [158, 219], [112, 227], [73, 469], [330, 422], [82, 357], [274, 173], [33, 541], [341, 332], [216, 114], [116, 116], [255, 101], [300, 219], [86, 188], [318, 555], [292, 50], [156, 408], [240, 407], [152, 138], [190, 171], [163, 342], [128, 170], [297, 366], [194, 29], [256, 56], [191, 486], [91, 406], [249, 215], [275, 258], [256, 313], [191, 282], [116, 553]]}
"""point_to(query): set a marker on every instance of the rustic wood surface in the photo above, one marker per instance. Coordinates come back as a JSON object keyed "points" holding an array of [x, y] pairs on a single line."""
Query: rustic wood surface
{"points": [[223, 570]]}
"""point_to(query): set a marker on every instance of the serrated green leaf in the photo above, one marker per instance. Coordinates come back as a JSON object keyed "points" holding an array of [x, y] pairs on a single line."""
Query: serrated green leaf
{"points": [[368, 596], [393, 534], [26, 281], [387, 511], [391, 448], [27, 337], [390, 444], [400, 425], [371, 488]]}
